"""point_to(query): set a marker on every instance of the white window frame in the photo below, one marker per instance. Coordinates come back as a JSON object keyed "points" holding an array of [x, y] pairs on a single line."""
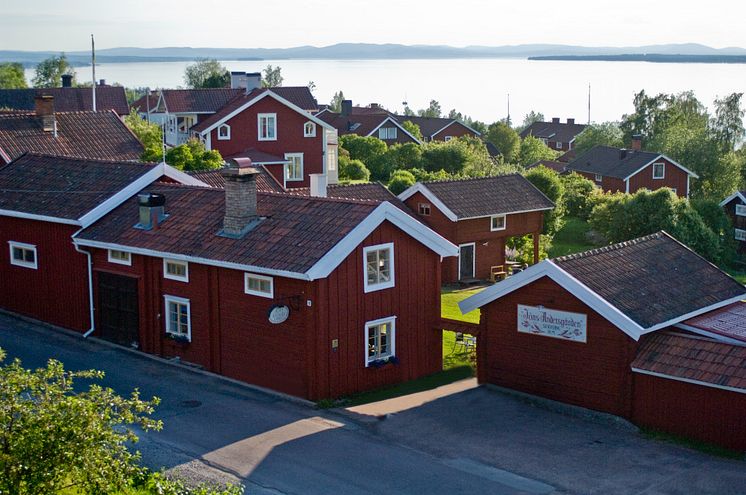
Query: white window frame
{"points": [[368, 287], [247, 290], [384, 133], [740, 235], [26, 247], [227, 137], [447, 138], [259, 118], [663, 167], [309, 129], [171, 276], [291, 156], [492, 222], [599, 178], [741, 210], [177, 300], [424, 209], [558, 145], [332, 160], [118, 261], [392, 339]]}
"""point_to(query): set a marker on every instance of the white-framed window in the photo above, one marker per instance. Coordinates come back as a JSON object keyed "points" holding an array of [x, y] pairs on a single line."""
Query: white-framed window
{"points": [[387, 133], [599, 177], [545, 141], [558, 145], [659, 170], [120, 257], [267, 126], [423, 209], [380, 339], [224, 132], [448, 138], [258, 285], [332, 159], [309, 129], [22, 254], [740, 235], [378, 263], [497, 222], [176, 270], [294, 167], [741, 210], [178, 317]]}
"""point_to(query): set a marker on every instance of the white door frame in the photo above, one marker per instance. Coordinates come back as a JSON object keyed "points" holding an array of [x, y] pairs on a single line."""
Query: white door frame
{"points": [[473, 258]]}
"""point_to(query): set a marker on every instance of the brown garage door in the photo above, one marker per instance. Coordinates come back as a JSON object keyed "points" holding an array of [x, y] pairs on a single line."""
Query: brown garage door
{"points": [[119, 317]]}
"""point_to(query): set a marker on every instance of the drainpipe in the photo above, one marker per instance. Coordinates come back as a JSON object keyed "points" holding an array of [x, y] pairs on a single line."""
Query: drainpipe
{"points": [[90, 290]]}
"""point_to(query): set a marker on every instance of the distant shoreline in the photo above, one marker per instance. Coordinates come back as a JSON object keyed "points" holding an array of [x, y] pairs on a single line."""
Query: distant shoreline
{"points": [[645, 57]]}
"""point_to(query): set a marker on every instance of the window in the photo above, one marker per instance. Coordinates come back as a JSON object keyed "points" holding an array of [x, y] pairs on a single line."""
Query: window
{"points": [[387, 133], [599, 177], [178, 317], [740, 235], [380, 339], [558, 145], [267, 126], [741, 210], [176, 270], [258, 285], [423, 209], [332, 160], [120, 257], [659, 170], [545, 141], [224, 132], [379, 267], [294, 169], [448, 138], [309, 129], [23, 255], [497, 222]]}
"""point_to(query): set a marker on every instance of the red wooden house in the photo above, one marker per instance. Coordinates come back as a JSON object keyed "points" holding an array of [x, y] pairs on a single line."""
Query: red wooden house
{"points": [[479, 215], [735, 207], [623, 170], [44, 201], [555, 134], [274, 128], [439, 128], [645, 329], [310, 296]]}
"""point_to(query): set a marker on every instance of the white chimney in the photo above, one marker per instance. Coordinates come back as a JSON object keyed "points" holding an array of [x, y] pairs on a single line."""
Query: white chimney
{"points": [[318, 185], [246, 80]]}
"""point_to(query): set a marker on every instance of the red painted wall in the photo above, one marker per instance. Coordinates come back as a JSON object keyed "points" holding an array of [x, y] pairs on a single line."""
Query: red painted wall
{"points": [[703, 413], [244, 133], [608, 184], [57, 292], [456, 129], [674, 177], [595, 374]]}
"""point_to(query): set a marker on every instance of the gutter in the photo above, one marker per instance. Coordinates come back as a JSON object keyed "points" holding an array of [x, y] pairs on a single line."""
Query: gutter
{"points": [[90, 290]]}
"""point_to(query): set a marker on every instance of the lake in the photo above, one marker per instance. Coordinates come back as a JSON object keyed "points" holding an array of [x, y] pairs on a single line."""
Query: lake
{"points": [[475, 87]]}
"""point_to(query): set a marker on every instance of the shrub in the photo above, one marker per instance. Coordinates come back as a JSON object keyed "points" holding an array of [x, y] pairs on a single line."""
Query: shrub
{"points": [[548, 182], [352, 169], [579, 196], [400, 181]]}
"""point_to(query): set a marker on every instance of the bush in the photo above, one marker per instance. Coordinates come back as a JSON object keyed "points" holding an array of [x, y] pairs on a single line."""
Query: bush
{"points": [[400, 181], [421, 175], [352, 169], [522, 248], [547, 181], [363, 148], [533, 149], [579, 196], [193, 156]]}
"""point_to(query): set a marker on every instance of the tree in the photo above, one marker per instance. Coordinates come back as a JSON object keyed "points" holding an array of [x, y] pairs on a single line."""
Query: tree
{"points": [[272, 77], [54, 437], [647, 116], [413, 129], [532, 117], [579, 196], [352, 169], [311, 86], [149, 134], [363, 148], [603, 134], [433, 110], [49, 72], [207, 73], [533, 149], [193, 157], [12, 76], [336, 104], [506, 139], [548, 182], [400, 181], [727, 125]]}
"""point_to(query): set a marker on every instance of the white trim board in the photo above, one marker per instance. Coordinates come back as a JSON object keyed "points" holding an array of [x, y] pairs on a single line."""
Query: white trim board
{"points": [[454, 121], [733, 196]]}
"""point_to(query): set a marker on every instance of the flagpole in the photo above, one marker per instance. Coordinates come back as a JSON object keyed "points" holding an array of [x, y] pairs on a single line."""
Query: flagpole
{"points": [[93, 70]]}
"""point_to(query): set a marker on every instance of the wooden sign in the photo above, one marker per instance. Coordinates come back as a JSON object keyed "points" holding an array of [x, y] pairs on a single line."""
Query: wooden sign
{"points": [[538, 320]]}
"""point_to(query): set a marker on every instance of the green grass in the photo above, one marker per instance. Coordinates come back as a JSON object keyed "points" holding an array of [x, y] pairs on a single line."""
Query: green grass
{"points": [[571, 238], [700, 446], [449, 300]]}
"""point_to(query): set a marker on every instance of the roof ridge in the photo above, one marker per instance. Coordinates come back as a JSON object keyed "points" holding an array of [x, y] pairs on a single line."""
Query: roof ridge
{"points": [[468, 179], [614, 247]]}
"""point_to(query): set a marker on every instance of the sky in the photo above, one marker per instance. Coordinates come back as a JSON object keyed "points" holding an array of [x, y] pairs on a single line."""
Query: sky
{"points": [[66, 25]]}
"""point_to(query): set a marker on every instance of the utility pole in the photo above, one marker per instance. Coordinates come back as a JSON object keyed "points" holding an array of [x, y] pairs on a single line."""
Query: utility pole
{"points": [[589, 103], [93, 70], [508, 119]]}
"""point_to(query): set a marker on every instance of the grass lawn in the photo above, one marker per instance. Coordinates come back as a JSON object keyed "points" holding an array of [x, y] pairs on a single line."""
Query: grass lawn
{"points": [[571, 238]]}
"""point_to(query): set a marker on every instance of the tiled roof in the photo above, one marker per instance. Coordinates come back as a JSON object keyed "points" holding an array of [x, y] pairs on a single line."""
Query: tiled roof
{"points": [[362, 125], [428, 125], [298, 95], [653, 279], [96, 135], [208, 100], [295, 233], [567, 157], [63, 187], [612, 162], [693, 358], [558, 167], [554, 131], [729, 321], [141, 103], [68, 99], [469, 198], [264, 180], [258, 157]]}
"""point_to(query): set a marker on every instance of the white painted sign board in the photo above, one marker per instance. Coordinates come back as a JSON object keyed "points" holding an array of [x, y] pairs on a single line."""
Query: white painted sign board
{"points": [[538, 320]]}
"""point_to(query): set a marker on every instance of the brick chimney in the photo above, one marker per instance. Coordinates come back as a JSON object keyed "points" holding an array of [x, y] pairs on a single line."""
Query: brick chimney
{"points": [[571, 121], [240, 198], [44, 108], [636, 142], [346, 107], [555, 120], [67, 80]]}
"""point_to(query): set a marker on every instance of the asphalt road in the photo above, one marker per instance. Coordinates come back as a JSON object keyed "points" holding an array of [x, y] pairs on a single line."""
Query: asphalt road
{"points": [[220, 431]]}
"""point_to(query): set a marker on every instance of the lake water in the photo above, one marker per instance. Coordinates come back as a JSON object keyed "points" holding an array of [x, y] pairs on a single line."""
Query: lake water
{"points": [[475, 87]]}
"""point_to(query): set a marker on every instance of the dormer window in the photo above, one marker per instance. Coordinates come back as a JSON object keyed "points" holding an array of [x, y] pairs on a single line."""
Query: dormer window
{"points": [[224, 132], [309, 129]]}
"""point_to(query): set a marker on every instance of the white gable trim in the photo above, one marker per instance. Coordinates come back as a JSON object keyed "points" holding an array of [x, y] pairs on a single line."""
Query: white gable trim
{"points": [[261, 96], [397, 124], [688, 380], [422, 189], [733, 196], [41, 218], [673, 162], [454, 121], [384, 211]]}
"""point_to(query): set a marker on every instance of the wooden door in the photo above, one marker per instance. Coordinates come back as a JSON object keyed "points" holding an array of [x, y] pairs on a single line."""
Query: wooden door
{"points": [[118, 311], [466, 261]]}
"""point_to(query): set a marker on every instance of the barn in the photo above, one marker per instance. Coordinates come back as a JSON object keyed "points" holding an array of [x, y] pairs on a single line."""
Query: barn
{"points": [[644, 329]]}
